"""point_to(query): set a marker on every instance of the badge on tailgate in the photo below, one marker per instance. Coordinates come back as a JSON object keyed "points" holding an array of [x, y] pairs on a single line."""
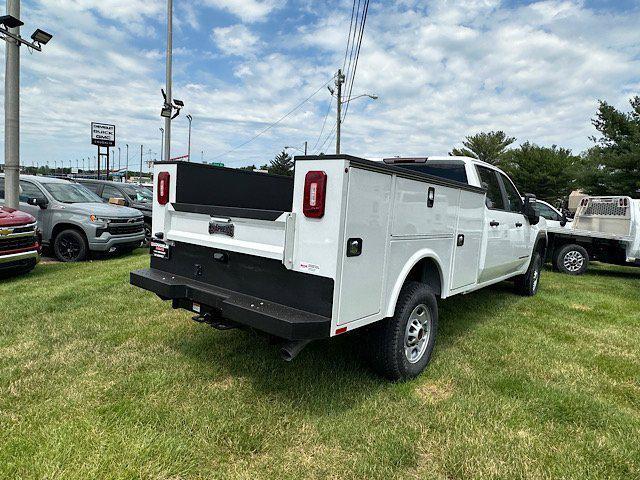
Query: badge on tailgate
{"points": [[221, 227]]}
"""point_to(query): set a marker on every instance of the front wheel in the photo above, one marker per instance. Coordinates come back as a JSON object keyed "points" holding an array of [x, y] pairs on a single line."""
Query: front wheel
{"points": [[70, 246], [401, 346], [528, 283]]}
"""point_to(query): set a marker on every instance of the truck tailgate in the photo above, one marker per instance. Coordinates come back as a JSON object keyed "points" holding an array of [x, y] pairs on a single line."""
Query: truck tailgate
{"points": [[265, 238]]}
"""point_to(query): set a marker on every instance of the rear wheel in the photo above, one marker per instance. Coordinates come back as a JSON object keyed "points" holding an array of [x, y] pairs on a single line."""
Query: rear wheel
{"points": [[572, 260], [402, 345], [70, 246]]}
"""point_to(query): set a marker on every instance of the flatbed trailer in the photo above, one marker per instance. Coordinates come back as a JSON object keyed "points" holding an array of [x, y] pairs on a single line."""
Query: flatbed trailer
{"points": [[604, 229]]}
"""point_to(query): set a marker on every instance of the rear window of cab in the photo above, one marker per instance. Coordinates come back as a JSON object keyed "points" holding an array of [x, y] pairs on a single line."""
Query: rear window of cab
{"points": [[453, 170]]}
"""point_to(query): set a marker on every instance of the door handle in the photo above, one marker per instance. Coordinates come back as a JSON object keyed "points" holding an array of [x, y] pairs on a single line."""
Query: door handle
{"points": [[518, 224], [493, 223]]}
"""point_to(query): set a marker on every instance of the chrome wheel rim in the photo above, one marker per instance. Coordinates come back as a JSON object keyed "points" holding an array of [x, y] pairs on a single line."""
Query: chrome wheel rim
{"points": [[417, 333], [573, 261]]}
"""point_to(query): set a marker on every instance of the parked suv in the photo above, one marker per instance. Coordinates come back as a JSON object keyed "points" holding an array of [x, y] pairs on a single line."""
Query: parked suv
{"points": [[74, 220], [127, 194], [19, 245]]}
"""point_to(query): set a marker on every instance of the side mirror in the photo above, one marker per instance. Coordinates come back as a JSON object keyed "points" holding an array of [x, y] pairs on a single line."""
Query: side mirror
{"points": [[117, 201], [37, 202], [563, 220], [529, 211]]}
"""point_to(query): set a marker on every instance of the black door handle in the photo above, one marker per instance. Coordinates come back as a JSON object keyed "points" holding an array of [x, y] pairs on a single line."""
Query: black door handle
{"points": [[518, 224], [493, 223]]}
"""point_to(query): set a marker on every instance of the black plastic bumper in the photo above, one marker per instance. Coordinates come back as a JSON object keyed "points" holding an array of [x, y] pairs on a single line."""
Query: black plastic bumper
{"points": [[269, 317]]}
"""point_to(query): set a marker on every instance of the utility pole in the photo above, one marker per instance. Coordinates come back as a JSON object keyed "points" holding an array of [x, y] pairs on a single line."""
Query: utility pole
{"points": [[126, 172], [190, 118], [305, 147], [161, 142], [12, 113], [169, 97], [339, 82]]}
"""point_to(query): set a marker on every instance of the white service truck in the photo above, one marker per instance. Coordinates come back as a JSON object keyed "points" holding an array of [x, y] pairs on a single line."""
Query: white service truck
{"points": [[605, 229], [344, 244]]}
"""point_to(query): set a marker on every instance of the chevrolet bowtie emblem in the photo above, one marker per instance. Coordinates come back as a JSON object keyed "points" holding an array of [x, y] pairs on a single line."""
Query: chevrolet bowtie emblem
{"points": [[5, 232]]}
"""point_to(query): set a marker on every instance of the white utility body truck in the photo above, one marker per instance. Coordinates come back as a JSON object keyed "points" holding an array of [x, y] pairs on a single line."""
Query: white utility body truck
{"points": [[344, 244], [606, 229]]}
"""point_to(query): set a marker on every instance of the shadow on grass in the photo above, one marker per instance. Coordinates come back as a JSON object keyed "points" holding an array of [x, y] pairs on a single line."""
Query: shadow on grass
{"points": [[604, 270], [331, 374]]}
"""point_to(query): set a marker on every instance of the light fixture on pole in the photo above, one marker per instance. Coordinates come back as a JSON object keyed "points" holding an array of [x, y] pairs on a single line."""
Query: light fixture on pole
{"points": [[190, 118], [10, 32], [298, 149]]}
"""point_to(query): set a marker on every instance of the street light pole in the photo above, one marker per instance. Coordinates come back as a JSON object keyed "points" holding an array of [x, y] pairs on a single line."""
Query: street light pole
{"points": [[126, 172], [12, 112], [119, 164], [169, 97], [190, 118], [140, 178]]}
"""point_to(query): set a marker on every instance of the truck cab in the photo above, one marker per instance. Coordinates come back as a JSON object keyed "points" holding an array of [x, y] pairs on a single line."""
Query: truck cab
{"points": [[346, 243]]}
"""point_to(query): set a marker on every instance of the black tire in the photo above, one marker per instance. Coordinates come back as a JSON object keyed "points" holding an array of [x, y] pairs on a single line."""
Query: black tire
{"points": [[390, 339], [527, 284], [571, 259], [147, 234], [70, 246]]}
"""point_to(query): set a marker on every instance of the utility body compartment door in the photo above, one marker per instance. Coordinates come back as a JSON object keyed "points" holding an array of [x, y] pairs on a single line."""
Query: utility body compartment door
{"points": [[468, 240], [367, 220]]}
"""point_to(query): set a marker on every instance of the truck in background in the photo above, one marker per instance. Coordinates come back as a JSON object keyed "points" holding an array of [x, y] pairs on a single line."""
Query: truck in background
{"points": [[19, 242], [605, 229], [346, 243]]}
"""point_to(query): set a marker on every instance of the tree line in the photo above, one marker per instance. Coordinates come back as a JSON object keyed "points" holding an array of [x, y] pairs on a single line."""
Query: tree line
{"points": [[610, 167]]}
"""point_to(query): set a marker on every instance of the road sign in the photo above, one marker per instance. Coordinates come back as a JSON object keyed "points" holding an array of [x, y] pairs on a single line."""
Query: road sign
{"points": [[103, 135], [216, 164]]}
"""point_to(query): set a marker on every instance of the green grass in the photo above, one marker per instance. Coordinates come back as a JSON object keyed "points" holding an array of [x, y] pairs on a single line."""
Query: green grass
{"points": [[99, 379]]}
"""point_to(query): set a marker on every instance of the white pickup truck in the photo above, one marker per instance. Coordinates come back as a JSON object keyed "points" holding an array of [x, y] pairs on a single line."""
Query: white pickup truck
{"points": [[344, 244], [606, 229]]}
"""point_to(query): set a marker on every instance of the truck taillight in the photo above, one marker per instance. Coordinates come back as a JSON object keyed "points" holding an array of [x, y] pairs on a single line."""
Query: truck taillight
{"points": [[164, 181], [315, 192]]}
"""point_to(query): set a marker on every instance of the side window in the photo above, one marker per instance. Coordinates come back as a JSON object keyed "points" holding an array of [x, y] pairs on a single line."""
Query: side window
{"points": [[111, 192], [489, 181], [547, 212], [94, 187], [1, 188], [29, 190], [514, 200]]}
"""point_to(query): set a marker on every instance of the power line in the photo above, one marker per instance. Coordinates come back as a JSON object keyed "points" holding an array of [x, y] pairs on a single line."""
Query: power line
{"points": [[323, 123], [365, 11], [269, 127], [352, 42], [331, 135], [353, 7]]}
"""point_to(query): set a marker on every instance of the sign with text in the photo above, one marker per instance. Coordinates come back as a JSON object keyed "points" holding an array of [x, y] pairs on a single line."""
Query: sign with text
{"points": [[103, 135]]}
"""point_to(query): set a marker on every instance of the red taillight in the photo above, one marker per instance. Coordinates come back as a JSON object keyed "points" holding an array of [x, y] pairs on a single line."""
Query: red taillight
{"points": [[315, 192], [164, 180]]}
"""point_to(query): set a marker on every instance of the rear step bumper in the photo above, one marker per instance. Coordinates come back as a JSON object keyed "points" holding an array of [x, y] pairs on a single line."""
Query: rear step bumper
{"points": [[269, 317]]}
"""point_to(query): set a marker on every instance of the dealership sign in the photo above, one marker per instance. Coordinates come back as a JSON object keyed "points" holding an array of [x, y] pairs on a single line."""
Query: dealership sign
{"points": [[103, 135]]}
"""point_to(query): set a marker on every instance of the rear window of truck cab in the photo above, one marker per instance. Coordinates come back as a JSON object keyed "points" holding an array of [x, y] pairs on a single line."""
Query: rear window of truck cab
{"points": [[452, 170]]}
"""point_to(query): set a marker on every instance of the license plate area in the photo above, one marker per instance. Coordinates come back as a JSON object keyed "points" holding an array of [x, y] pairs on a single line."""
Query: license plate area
{"points": [[159, 250], [217, 227]]}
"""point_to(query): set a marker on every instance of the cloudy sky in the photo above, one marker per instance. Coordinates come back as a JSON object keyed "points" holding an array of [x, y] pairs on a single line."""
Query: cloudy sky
{"points": [[442, 70]]}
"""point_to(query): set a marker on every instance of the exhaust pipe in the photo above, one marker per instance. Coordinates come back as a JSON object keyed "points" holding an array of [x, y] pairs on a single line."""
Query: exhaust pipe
{"points": [[291, 349]]}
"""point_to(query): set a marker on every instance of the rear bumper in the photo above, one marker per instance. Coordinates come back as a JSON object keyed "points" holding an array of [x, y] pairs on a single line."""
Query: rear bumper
{"points": [[273, 318]]}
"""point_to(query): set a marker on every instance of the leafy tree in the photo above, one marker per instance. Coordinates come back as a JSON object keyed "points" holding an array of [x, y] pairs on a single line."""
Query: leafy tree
{"points": [[282, 164], [612, 166], [549, 173], [251, 168], [486, 146]]}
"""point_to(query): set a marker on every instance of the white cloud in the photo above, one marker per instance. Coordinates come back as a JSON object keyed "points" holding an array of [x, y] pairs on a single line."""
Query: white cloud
{"points": [[235, 40], [247, 10]]}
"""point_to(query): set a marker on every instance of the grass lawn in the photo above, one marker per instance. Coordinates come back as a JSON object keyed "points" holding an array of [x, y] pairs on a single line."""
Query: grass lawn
{"points": [[99, 379]]}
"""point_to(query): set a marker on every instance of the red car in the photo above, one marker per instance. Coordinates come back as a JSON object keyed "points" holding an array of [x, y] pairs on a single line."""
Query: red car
{"points": [[19, 241]]}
